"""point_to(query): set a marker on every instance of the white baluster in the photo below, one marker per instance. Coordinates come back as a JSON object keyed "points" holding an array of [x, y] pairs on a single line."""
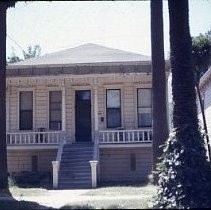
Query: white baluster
{"points": [[133, 136], [142, 135], [117, 136], [128, 136], [103, 137], [107, 136], [148, 137], [138, 135], [15, 138], [112, 136], [123, 133], [57, 138]]}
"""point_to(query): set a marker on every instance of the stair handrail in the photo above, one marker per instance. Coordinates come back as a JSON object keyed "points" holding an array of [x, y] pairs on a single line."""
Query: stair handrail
{"points": [[56, 164], [60, 150], [96, 147]]}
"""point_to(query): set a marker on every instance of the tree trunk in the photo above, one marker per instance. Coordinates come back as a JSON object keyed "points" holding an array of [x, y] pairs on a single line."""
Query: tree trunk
{"points": [[3, 148], [184, 172], [160, 122], [183, 87]]}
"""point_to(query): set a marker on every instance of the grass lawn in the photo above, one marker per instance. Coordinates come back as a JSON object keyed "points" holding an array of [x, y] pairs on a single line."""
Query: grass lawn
{"points": [[24, 192], [110, 197], [142, 203], [119, 197], [147, 189]]}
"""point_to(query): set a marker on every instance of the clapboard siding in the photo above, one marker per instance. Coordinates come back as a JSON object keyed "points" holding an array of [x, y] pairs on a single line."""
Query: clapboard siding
{"points": [[129, 106], [21, 160], [41, 88], [69, 104], [207, 107], [115, 164], [13, 108], [41, 107]]}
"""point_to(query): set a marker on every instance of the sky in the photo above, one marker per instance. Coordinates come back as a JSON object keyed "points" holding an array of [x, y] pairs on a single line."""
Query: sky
{"points": [[122, 25]]}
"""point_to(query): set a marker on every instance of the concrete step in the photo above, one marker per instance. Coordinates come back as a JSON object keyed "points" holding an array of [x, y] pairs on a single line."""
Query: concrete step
{"points": [[66, 171], [77, 151], [75, 178], [76, 160], [75, 170], [75, 181], [77, 154], [74, 186]]}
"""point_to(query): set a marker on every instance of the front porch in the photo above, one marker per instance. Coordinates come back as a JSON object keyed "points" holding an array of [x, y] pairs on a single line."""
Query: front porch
{"points": [[106, 137], [64, 125]]}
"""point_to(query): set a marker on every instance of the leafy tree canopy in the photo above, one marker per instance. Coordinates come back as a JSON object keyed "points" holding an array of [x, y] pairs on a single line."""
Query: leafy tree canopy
{"points": [[31, 52], [201, 51], [13, 58]]}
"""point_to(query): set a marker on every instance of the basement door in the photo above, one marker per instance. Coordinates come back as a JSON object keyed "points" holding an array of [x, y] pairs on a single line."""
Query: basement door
{"points": [[83, 116]]}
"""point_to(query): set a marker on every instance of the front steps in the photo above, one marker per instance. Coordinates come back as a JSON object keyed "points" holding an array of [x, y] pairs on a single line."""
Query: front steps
{"points": [[75, 170]]}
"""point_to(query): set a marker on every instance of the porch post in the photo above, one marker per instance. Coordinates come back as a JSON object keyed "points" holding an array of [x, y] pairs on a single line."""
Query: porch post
{"points": [[96, 110], [93, 164], [8, 109], [63, 107], [55, 165], [95, 171]]}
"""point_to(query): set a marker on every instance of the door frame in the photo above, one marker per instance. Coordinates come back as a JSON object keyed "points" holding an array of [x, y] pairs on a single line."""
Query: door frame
{"points": [[80, 88]]}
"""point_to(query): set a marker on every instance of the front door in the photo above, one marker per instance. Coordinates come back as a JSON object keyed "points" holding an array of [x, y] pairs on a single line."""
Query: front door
{"points": [[83, 115]]}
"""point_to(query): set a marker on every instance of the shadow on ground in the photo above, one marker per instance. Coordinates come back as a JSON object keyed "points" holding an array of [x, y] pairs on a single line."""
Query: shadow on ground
{"points": [[123, 184], [26, 205]]}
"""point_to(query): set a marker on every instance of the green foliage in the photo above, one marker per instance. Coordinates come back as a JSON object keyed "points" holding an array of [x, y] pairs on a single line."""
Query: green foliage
{"points": [[184, 173], [32, 52], [30, 179], [201, 51], [8, 4], [68, 207], [13, 58]]}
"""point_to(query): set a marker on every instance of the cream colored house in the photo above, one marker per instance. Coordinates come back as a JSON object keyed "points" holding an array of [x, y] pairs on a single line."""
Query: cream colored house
{"points": [[205, 89], [88, 103]]}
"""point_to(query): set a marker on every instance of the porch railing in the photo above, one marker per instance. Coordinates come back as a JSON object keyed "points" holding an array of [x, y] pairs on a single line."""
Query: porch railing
{"points": [[34, 137], [125, 136]]}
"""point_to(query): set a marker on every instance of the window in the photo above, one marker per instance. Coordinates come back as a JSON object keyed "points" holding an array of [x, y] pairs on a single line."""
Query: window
{"points": [[26, 110], [144, 108], [55, 110], [113, 108]]}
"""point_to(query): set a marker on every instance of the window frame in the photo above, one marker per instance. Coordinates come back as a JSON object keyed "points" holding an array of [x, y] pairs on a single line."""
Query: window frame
{"points": [[19, 110], [120, 108], [141, 126], [49, 111]]}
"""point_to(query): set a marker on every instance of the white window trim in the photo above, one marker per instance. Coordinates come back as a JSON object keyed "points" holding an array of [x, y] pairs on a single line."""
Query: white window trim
{"points": [[111, 87], [136, 102], [63, 91], [135, 92], [33, 111]]}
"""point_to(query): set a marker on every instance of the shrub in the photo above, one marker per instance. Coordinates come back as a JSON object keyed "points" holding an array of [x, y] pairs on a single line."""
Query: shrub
{"points": [[27, 178], [184, 172]]}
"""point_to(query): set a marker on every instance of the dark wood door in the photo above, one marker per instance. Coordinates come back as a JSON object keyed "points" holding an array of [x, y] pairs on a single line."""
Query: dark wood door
{"points": [[83, 115]]}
